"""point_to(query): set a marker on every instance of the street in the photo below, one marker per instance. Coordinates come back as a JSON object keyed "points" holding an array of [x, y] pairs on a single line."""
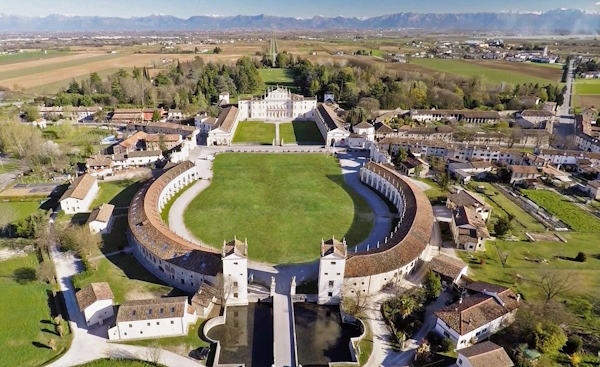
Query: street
{"points": [[565, 125]]}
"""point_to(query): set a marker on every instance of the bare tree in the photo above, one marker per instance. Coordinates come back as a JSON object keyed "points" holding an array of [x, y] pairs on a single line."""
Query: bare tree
{"points": [[153, 354], [225, 288], [553, 284], [356, 301], [45, 272]]}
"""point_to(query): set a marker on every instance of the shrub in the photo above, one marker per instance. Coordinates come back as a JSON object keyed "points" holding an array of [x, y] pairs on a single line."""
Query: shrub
{"points": [[581, 257], [574, 345], [446, 345], [482, 261]]}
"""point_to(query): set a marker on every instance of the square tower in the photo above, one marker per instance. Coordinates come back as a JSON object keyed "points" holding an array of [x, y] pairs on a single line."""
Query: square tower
{"points": [[331, 271], [235, 272]]}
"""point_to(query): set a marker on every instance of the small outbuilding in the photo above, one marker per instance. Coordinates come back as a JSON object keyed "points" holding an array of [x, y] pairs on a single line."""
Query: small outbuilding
{"points": [[485, 354], [96, 301], [101, 219], [449, 269]]}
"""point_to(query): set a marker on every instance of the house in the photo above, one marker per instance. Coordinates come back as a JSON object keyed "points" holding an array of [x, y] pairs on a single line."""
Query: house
{"points": [[464, 171], [450, 269], [130, 144], [126, 115], [162, 141], [148, 113], [532, 119], [333, 128], [520, 173], [460, 197], [482, 311], [593, 188], [414, 167], [205, 124], [549, 106], [382, 130], [468, 229], [331, 271], [204, 299], [101, 219], [484, 354], [86, 114], [224, 128], [186, 131], [277, 104], [79, 195], [174, 115], [96, 301], [99, 165], [152, 318]]}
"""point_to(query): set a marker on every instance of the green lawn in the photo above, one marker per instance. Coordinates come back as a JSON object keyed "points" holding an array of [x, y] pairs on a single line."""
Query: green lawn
{"points": [[587, 87], [254, 132], [180, 344], [30, 56], [117, 193], [115, 362], [80, 136], [277, 76], [127, 278], [21, 209], [284, 204], [26, 327], [365, 345], [468, 70], [521, 260], [507, 206], [434, 192], [165, 212], [54, 67], [301, 132], [8, 167], [573, 216]]}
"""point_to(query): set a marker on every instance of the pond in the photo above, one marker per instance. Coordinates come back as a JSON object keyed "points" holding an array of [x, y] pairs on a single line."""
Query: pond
{"points": [[321, 336], [247, 336]]}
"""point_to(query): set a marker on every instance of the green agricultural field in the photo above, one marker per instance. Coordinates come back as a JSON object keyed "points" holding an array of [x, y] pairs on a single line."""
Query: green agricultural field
{"points": [[52, 88], [254, 132], [115, 362], [27, 327], [507, 206], [301, 132], [573, 216], [21, 209], [465, 69], [284, 204], [54, 66], [587, 87], [277, 76], [30, 56], [117, 193]]}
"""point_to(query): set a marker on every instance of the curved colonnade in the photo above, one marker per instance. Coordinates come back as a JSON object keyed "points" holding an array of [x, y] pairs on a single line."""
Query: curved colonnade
{"points": [[170, 257], [368, 271]]}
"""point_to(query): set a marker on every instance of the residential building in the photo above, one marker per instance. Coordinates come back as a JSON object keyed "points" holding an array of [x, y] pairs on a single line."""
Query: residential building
{"points": [[333, 128], [205, 124], [532, 119], [466, 116], [224, 128], [126, 115], [468, 229], [484, 354], [484, 310], [175, 115], [101, 219], [162, 141], [450, 269], [99, 165], [365, 129], [86, 114], [414, 167], [79, 195], [465, 171], [186, 131], [96, 301], [132, 143], [382, 130], [148, 113], [277, 104], [593, 188], [153, 318], [331, 271], [204, 299], [460, 197], [520, 173]]}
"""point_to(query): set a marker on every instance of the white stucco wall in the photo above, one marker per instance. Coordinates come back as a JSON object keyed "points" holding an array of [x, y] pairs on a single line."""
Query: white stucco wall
{"points": [[331, 278], [74, 206], [235, 276], [102, 309], [463, 341]]}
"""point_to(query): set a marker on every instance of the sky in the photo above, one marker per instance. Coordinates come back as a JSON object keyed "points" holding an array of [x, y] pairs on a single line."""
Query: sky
{"points": [[295, 8]]}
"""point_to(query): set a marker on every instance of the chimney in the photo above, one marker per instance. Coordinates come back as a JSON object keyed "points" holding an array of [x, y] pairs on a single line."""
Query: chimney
{"points": [[518, 297]]}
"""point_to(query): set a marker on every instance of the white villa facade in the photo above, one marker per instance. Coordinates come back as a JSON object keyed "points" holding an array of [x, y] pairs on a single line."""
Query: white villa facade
{"points": [[223, 130], [152, 318], [278, 104], [331, 271], [79, 195]]}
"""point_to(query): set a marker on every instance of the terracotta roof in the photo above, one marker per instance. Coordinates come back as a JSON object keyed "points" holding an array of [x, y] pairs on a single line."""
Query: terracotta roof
{"points": [[235, 247], [363, 125], [102, 213], [165, 137], [99, 160], [486, 354], [79, 188], [205, 295], [92, 293], [382, 128], [133, 139], [464, 215], [465, 113], [333, 246], [447, 266], [168, 126], [466, 198], [227, 118], [330, 117], [152, 309], [478, 310], [148, 229], [144, 153], [537, 113], [410, 239]]}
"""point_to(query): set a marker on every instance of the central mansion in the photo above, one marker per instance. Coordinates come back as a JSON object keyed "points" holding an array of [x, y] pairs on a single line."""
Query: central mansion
{"points": [[276, 104]]}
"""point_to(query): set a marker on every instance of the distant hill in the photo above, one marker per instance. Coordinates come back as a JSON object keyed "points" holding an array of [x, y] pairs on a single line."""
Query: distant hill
{"points": [[560, 21]]}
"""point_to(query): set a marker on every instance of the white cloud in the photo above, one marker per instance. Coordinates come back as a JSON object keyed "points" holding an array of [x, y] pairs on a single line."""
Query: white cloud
{"points": [[598, 3]]}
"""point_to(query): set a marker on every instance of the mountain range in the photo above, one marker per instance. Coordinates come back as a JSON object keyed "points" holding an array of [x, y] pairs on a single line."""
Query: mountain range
{"points": [[559, 21]]}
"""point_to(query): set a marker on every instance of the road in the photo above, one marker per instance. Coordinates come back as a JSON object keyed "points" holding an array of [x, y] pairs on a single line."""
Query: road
{"points": [[566, 121]]}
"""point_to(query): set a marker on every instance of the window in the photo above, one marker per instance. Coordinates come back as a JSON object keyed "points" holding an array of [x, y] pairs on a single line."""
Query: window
{"points": [[133, 313], [326, 273], [172, 322], [235, 263], [172, 309], [446, 334], [333, 263], [235, 295], [147, 324], [141, 332], [235, 284], [329, 294], [331, 283], [157, 323], [460, 361], [149, 311], [130, 325], [338, 274]]}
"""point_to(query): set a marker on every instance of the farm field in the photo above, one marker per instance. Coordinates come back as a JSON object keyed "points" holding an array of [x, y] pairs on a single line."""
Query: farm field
{"points": [[586, 101], [277, 77], [273, 199], [30, 56], [77, 136], [59, 64], [301, 132], [573, 216], [28, 329], [493, 71], [54, 87], [497, 198], [587, 87], [254, 132]]}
